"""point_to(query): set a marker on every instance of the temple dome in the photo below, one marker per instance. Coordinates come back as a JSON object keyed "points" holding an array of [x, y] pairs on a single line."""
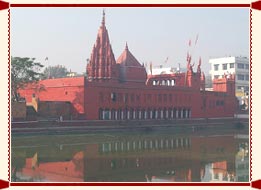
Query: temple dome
{"points": [[130, 68]]}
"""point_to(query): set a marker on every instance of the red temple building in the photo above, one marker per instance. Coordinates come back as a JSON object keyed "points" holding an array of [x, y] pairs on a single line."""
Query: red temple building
{"points": [[122, 90]]}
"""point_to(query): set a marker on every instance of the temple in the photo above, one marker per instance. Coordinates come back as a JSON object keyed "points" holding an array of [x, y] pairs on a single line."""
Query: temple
{"points": [[123, 90]]}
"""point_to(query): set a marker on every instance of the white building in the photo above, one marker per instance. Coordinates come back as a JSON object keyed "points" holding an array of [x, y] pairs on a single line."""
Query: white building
{"points": [[159, 70], [232, 65]]}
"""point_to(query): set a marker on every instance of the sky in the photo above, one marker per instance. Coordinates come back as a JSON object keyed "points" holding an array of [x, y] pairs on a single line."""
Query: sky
{"points": [[157, 35]]}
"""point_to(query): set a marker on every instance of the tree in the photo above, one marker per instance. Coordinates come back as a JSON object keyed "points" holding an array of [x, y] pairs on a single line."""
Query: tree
{"points": [[24, 70], [57, 71]]}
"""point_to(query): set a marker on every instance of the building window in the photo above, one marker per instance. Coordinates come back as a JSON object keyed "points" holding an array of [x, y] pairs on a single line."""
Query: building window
{"points": [[224, 66], [240, 77], [216, 76], [216, 67], [240, 66], [232, 65], [247, 66], [247, 77], [173, 82], [240, 87], [113, 96]]}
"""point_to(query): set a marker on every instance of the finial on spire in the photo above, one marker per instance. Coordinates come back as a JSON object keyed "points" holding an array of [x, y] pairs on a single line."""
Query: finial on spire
{"points": [[103, 17], [126, 46]]}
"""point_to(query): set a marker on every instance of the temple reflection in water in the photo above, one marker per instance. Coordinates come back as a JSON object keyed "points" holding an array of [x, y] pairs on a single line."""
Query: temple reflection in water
{"points": [[137, 158]]}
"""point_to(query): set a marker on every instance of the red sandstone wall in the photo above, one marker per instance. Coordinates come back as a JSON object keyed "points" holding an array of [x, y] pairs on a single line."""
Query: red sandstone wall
{"points": [[136, 74], [98, 95], [87, 98], [218, 104], [63, 89]]}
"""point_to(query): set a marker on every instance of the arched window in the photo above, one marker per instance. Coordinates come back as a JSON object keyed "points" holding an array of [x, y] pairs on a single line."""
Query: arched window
{"points": [[153, 114], [156, 114], [149, 114], [120, 114], [145, 114], [183, 113], [175, 113], [166, 113], [131, 113], [172, 82], [168, 82], [116, 115], [113, 114], [170, 113], [180, 113], [163, 82], [128, 113], [100, 114], [161, 114], [139, 114]]}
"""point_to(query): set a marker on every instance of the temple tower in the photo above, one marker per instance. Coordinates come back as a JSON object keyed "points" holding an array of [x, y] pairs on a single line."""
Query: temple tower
{"points": [[130, 68], [193, 79], [102, 64]]}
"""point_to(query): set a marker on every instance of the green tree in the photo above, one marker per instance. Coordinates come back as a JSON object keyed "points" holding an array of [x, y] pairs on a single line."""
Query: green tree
{"points": [[57, 71], [24, 70]]}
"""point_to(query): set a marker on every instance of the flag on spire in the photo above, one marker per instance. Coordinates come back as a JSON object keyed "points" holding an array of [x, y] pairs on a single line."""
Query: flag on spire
{"points": [[187, 56], [196, 39], [189, 42], [151, 68]]}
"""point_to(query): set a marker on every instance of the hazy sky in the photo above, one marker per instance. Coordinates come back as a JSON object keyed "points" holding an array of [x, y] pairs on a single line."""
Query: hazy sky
{"points": [[66, 35]]}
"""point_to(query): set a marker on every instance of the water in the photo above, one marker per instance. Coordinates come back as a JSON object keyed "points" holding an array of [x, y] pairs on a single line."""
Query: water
{"points": [[166, 155]]}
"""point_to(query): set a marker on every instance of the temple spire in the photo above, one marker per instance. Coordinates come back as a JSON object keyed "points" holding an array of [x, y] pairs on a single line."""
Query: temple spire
{"points": [[102, 64], [103, 17], [126, 46]]}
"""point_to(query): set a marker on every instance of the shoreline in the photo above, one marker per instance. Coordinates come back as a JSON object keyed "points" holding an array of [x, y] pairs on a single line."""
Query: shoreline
{"points": [[83, 126]]}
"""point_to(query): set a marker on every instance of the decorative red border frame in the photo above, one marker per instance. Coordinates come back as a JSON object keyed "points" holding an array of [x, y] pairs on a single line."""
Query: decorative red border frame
{"points": [[254, 5]]}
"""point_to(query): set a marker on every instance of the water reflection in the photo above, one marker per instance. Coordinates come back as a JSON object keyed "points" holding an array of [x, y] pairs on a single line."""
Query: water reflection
{"points": [[131, 157]]}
